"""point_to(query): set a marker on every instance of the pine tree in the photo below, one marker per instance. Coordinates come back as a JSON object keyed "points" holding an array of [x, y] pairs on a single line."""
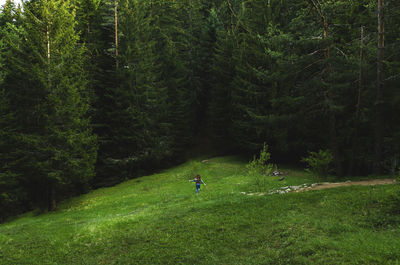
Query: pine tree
{"points": [[139, 129], [261, 99], [225, 19], [97, 26], [176, 68], [12, 195], [219, 111], [55, 150]]}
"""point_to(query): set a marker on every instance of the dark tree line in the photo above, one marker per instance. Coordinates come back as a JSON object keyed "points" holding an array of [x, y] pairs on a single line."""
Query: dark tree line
{"points": [[93, 92]]}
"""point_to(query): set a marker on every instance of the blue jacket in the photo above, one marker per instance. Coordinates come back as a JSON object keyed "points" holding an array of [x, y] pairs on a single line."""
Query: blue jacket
{"points": [[198, 181]]}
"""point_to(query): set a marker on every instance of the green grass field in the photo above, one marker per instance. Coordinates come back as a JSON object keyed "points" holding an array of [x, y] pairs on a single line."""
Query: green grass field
{"points": [[159, 219]]}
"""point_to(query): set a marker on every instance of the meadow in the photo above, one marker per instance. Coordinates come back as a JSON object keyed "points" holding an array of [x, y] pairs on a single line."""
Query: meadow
{"points": [[158, 219]]}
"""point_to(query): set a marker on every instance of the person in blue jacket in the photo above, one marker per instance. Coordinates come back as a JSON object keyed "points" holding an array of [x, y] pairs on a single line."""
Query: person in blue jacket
{"points": [[198, 182]]}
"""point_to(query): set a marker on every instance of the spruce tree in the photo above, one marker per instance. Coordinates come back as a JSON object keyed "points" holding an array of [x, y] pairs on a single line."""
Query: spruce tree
{"points": [[176, 70], [12, 195], [55, 150], [258, 88], [100, 43], [219, 111], [139, 129]]}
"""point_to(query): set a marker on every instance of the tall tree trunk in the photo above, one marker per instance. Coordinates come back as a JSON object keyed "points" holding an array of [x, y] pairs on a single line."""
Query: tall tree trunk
{"points": [[48, 53], [116, 31], [358, 106], [360, 75], [329, 93], [48, 43], [378, 103], [51, 204], [332, 117]]}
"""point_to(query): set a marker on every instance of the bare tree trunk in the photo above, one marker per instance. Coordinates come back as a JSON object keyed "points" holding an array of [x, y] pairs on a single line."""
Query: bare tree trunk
{"points": [[231, 15], [360, 75], [51, 202], [50, 196], [48, 43], [332, 117], [116, 31], [378, 103], [329, 93], [52, 199], [48, 53], [358, 106]]}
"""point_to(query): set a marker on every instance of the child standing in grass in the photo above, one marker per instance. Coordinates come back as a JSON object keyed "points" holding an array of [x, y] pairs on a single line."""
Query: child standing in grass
{"points": [[198, 181]]}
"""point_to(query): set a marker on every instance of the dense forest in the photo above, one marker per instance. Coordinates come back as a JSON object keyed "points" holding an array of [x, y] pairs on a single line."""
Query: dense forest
{"points": [[94, 92]]}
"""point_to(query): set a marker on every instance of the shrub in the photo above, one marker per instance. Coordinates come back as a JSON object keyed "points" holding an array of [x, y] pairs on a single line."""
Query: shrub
{"points": [[259, 168], [319, 163]]}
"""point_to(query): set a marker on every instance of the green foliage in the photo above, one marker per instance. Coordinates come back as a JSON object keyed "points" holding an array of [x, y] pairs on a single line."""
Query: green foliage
{"points": [[13, 196], [280, 78], [237, 72], [220, 104], [140, 126], [259, 169], [319, 163], [49, 151], [2, 72], [148, 112]]}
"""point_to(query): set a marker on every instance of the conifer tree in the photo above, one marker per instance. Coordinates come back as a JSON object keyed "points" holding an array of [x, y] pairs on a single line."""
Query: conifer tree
{"points": [[140, 128], [219, 110], [97, 27], [12, 195], [55, 150], [177, 71], [258, 88]]}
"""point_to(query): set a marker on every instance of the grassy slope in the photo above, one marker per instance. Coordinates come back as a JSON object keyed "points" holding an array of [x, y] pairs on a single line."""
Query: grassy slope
{"points": [[159, 220]]}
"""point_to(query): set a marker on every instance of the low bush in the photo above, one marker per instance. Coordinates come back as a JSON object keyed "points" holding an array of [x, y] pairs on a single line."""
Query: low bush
{"points": [[259, 168], [319, 163]]}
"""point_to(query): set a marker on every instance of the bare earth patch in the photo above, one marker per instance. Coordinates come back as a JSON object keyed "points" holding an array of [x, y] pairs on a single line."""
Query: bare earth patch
{"points": [[324, 185], [328, 185]]}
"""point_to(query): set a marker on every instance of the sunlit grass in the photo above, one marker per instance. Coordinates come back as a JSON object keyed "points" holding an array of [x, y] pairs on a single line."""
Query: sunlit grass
{"points": [[159, 219]]}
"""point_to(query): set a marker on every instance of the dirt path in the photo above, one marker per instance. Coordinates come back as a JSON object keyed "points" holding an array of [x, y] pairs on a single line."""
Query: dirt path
{"points": [[328, 185], [325, 185]]}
